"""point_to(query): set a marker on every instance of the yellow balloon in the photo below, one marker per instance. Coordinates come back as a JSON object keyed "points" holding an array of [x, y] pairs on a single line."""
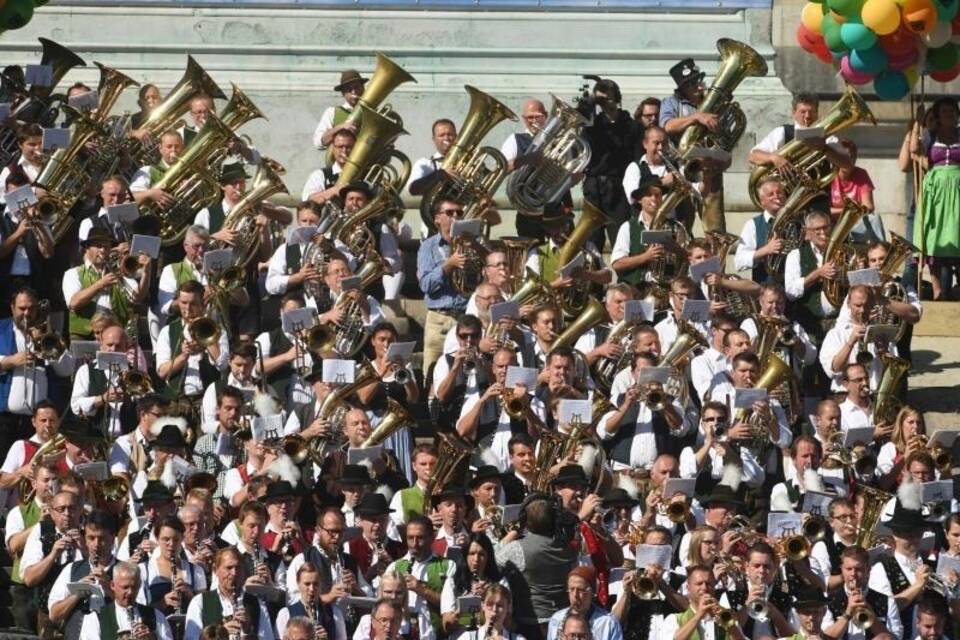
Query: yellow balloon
{"points": [[880, 16], [812, 16]]}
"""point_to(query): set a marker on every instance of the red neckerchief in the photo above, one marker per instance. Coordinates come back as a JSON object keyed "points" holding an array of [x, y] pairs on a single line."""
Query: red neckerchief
{"points": [[600, 561]]}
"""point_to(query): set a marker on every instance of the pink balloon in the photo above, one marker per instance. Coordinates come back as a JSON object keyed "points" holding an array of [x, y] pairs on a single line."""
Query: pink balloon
{"points": [[901, 61], [852, 75]]}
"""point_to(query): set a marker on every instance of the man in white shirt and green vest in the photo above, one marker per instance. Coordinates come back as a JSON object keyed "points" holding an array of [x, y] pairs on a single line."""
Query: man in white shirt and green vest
{"points": [[141, 186], [124, 617], [700, 620], [423, 572], [411, 501], [337, 119]]}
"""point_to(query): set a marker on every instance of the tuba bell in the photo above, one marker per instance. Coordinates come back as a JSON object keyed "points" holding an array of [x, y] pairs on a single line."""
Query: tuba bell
{"points": [[592, 314], [888, 403], [396, 418], [55, 446], [563, 153], [452, 451], [739, 305], [840, 253], [574, 298], [477, 179]]}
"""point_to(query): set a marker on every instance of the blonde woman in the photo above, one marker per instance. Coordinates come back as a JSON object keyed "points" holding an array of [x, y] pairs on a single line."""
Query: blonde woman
{"points": [[496, 608], [908, 424], [393, 587]]}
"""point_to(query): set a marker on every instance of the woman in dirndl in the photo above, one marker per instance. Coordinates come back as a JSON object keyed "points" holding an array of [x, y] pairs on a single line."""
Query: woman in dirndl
{"points": [[938, 234]]}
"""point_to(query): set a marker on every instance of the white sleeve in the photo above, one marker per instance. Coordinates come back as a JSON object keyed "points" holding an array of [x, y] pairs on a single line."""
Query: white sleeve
{"points": [[888, 452], [743, 258], [163, 348], [397, 505], [120, 456], [688, 463], [277, 277], [32, 550], [141, 180], [166, 290], [809, 351], [293, 589], [701, 375], [325, 124], [283, 617], [832, 342], [194, 623], [59, 591], [208, 407], [621, 246], [203, 218], [509, 148], [71, 284], [14, 525], [772, 141], [15, 457], [631, 179], [793, 276], [90, 628], [232, 482], [292, 426], [878, 580], [316, 182], [85, 225], [448, 598], [390, 249]]}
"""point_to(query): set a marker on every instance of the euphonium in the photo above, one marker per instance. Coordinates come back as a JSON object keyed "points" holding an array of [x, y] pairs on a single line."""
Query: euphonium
{"points": [[166, 114], [681, 190], [788, 223], [395, 419], [874, 501], [887, 402], [476, 181], [238, 111], [517, 250], [775, 373], [453, 450], [737, 61], [605, 369], [372, 147], [54, 446], [574, 298], [333, 407], [563, 153], [688, 339], [267, 181], [189, 181], [466, 279], [534, 291], [738, 304], [848, 110], [353, 231], [900, 250], [840, 253]]}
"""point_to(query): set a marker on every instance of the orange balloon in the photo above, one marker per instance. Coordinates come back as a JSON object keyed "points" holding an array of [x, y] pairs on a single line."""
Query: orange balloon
{"points": [[920, 16]]}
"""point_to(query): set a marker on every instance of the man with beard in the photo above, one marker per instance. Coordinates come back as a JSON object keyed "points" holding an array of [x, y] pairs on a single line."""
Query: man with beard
{"points": [[681, 111], [339, 576], [27, 378]]}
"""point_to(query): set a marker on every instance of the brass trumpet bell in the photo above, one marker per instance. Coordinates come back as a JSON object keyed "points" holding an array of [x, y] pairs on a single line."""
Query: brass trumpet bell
{"points": [[115, 489], [795, 547], [644, 587], [863, 618], [135, 384], [49, 346], [204, 331]]}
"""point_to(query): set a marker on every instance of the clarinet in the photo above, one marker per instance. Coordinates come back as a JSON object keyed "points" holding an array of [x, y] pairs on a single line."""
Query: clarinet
{"points": [[237, 608], [174, 573], [133, 614]]}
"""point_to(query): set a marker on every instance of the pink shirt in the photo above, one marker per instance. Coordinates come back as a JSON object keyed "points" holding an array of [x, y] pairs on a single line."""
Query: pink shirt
{"points": [[855, 188]]}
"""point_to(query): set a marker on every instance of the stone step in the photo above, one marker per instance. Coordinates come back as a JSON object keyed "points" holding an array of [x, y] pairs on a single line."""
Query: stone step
{"points": [[939, 319]]}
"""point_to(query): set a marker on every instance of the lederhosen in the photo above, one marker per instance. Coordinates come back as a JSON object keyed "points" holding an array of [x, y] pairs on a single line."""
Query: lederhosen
{"points": [[898, 582], [837, 604], [109, 629], [79, 570]]}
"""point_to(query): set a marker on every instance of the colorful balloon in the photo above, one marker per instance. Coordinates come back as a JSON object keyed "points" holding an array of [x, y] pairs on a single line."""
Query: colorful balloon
{"points": [[881, 16], [942, 58], [851, 75], [872, 60], [920, 16], [946, 9], [946, 76], [938, 36], [899, 42], [831, 34], [16, 13], [891, 85], [902, 61], [812, 16], [857, 36], [846, 8]]}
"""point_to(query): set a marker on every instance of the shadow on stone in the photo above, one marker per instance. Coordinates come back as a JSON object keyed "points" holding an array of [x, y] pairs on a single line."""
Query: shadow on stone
{"points": [[936, 399]]}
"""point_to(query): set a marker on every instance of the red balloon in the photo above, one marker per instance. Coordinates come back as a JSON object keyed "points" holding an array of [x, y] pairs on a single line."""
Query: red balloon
{"points": [[823, 53], [807, 39], [946, 76], [899, 42], [955, 24]]}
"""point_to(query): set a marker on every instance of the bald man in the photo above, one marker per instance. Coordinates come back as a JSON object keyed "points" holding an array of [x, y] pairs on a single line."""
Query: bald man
{"points": [[534, 116]]}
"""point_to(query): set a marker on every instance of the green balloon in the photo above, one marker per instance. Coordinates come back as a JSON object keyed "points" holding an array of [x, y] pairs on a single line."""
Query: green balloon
{"points": [[831, 34], [942, 58], [16, 13], [848, 8]]}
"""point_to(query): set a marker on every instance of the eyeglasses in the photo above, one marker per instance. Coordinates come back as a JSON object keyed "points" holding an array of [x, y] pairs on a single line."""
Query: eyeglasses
{"points": [[66, 507], [845, 517], [856, 380], [824, 229], [497, 265], [333, 532]]}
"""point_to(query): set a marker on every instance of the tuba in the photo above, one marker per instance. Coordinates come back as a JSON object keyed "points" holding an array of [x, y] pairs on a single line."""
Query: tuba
{"points": [[874, 500], [476, 181], [533, 291], [849, 110], [840, 253], [740, 305], [517, 250], [52, 447], [593, 314], [190, 181], [788, 223], [605, 369], [574, 298], [563, 153], [688, 339], [39, 104], [775, 373], [475, 250], [387, 76], [166, 114], [266, 182], [453, 450], [395, 419], [238, 111], [887, 403], [737, 62], [900, 250]]}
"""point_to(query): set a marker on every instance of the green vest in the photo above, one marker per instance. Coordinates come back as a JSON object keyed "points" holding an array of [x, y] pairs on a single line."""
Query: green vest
{"points": [[184, 271], [212, 611], [549, 262], [437, 569], [340, 115], [31, 516], [208, 372], [79, 322], [156, 172], [638, 275], [411, 501], [684, 618], [107, 616]]}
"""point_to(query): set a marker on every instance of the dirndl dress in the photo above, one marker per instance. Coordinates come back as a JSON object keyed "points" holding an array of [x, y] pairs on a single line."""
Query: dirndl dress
{"points": [[939, 235]]}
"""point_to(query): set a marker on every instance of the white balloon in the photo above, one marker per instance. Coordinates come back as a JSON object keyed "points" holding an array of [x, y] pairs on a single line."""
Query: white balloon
{"points": [[939, 35]]}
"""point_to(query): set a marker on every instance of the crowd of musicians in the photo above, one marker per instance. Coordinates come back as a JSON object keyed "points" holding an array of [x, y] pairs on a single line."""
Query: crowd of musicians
{"points": [[216, 422]]}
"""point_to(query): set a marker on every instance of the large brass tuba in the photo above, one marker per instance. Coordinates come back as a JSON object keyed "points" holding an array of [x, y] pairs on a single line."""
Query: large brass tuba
{"points": [[676, 357], [739, 305], [888, 403], [166, 114], [453, 451], [788, 223], [395, 419], [593, 314], [900, 250], [574, 298], [190, 181], [775, 373], [563, 153], [238, 111], [517, 250], [534, 290], [874, 501], [66, 173], [468, 277], [373, 147], [241, 219], [737, 61], [605, 369], [840, 253], [849, 110], [476, 181]]}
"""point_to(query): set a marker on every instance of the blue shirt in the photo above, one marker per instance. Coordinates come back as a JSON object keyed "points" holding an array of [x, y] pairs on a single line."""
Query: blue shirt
{"points": [[673, 107], [603, 625], [437, 289]]}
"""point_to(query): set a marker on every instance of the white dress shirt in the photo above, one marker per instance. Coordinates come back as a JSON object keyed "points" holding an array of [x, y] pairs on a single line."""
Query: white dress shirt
{"points": [[298, 391], [192, 384], [194, 622], [853, 417], [29, 384], [317, 181], [167, 288], [667, 330], [631, 177], [32, 171], [793, 279], [72, 286], [743, 258], [704, 368], [82, 403], [834, 341], [90, 628], [643, 447]]}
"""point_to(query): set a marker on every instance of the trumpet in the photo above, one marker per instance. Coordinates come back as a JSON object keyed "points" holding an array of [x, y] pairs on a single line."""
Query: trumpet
{"points": [[653, 395], [515, 407], [676, 511], [863, 617], [644, 587], [726, 618]]}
